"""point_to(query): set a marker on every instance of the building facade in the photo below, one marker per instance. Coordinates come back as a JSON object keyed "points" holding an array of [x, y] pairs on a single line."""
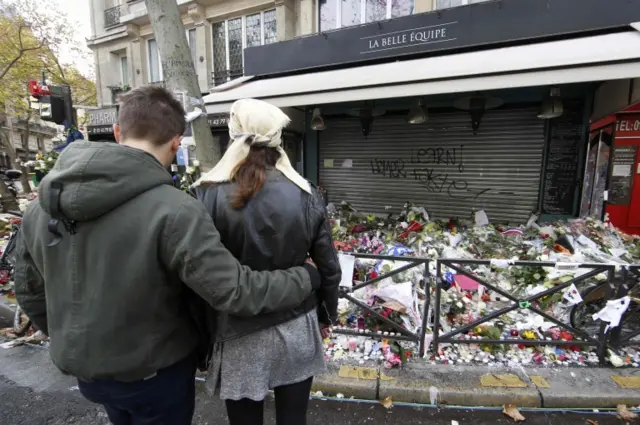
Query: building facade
{"points": [[484, 106], [26, 138], [218, 31]]}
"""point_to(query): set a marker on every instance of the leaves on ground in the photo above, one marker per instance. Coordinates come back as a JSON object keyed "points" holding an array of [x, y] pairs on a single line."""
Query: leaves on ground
{"points": [[387, 403], [512, 411], [625, 414], [592, 422]]}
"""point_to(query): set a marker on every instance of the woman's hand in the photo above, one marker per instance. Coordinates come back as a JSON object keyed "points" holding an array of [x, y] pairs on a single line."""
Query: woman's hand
{"points": [[325, 330]]}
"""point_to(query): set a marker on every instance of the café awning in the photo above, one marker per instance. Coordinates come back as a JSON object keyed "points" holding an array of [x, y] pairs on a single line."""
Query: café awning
{"points": [[595, 58]]}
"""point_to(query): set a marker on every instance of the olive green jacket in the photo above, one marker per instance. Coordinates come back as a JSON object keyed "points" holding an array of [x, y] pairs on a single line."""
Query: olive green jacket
{"points": [[107, 255]]}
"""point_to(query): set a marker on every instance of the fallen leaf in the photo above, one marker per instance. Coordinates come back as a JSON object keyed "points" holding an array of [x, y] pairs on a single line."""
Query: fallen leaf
{"points": [[625, 414], [592, 422], [387, 403], [512, 411]]}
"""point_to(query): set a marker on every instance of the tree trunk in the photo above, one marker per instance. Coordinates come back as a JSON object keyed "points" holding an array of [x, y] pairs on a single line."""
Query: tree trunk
{"points": [[25, 182], [180, 74], [24, 179], [7, 200]]}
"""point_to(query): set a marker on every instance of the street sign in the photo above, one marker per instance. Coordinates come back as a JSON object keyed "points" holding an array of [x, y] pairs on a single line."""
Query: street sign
{"points": [[44, 110]]}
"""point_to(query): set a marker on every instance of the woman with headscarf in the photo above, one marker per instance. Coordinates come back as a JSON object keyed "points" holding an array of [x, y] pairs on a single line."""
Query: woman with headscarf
{"points": [[270, 218]]}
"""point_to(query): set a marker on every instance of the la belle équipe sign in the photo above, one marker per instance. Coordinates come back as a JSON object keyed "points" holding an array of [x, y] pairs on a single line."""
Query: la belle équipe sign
{"points": [[408, 38]]}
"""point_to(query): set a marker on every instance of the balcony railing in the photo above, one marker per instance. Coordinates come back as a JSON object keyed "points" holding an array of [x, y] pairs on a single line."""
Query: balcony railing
{"points": [[221, 77], [112, 16]]}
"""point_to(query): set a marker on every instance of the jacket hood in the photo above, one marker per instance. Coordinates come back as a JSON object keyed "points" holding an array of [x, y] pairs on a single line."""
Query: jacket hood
{"points": [[90, 179]]}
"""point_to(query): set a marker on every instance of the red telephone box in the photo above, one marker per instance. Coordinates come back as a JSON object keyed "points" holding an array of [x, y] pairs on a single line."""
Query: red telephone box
{"points": [[622, 194]]}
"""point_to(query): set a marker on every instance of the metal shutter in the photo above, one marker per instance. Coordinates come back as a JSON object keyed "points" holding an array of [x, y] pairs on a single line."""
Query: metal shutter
{"points": [[498, 170]]}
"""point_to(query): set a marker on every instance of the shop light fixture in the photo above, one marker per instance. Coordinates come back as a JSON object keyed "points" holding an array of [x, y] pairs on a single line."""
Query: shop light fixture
{"points": [[317, 122], [418, 114], [477, 105], [552, 106], [366, 115]]}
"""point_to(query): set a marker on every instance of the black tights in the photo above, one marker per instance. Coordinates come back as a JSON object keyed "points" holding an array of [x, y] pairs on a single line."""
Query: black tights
{"points": [[292, 402]]}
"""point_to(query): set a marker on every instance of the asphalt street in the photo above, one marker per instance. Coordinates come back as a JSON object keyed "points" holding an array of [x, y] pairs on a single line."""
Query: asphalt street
{"points": [[34, 392], [21, 405]]}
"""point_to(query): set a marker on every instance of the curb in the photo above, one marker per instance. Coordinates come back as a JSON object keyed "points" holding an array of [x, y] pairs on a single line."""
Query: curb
{"points": [[570, 388]]}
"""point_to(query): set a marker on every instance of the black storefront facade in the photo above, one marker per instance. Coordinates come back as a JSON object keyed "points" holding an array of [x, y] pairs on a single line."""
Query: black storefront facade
{"points": [[100, 129], [292, 140], [489, 77]]}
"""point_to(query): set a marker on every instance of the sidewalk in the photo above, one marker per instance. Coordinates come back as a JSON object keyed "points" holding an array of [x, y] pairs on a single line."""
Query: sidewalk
{"points": [[484, 386], [415, 383]]}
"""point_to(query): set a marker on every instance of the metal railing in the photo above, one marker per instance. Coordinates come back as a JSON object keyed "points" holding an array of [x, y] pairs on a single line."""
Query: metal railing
{"points": [[526, 302], [402, 333], [629, 285], [112, 16]]}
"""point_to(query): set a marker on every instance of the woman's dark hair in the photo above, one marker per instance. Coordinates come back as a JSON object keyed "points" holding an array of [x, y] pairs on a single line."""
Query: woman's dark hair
{"points": [[249, 175]]}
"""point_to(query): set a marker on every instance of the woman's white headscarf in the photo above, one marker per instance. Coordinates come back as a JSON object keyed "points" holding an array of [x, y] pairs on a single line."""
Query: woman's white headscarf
{"points": [[254, 123]]}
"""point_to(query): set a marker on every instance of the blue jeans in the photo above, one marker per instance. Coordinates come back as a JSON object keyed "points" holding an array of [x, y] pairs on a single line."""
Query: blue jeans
{"points": [[168, 398]]}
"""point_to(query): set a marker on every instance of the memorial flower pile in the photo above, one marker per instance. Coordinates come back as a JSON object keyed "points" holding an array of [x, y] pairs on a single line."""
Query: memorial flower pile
{"points": [[463, 300]]}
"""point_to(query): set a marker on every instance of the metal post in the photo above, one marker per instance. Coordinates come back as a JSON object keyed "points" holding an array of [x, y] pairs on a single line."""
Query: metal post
{"points": [[602, 337], [622, 290], [425, 311], [436, 318]]}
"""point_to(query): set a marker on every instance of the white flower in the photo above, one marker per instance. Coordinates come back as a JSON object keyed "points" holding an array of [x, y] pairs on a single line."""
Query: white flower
{"points": [[42, 164], [191, 170], [196, 163]]}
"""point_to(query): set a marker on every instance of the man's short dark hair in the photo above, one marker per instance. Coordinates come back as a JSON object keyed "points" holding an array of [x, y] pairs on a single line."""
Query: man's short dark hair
{"points": [[150, 113]]}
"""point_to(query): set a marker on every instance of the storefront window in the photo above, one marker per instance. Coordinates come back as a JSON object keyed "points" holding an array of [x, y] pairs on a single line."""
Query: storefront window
{"points": [[155, 69], [446, 4], [376, 10], [219, 53], [401, 8], [351, 13], [254, 29], [191, 41], [234, 29], [231, 37], [328, 15], [270, 28], [344, 13]]}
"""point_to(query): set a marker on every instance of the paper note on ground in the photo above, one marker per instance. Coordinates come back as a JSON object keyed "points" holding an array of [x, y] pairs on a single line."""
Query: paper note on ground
{"points": [[347, 264]]}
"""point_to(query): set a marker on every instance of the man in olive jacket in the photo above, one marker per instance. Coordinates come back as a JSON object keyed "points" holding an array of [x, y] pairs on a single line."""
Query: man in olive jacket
{"points": [[108, 255]]}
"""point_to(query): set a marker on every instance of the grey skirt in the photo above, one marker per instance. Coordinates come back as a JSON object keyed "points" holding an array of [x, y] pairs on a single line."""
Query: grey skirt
{"points": [[250, 366]]}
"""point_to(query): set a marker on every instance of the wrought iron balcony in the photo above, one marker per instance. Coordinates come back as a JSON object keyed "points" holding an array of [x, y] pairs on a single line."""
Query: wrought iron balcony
{"points": [[112, 16], [221, 77]]}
